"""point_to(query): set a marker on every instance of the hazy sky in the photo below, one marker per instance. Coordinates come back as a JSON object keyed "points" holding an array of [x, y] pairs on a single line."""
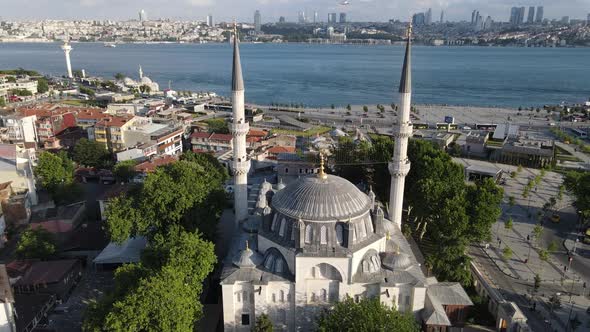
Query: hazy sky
{"points": [[243, 10]]}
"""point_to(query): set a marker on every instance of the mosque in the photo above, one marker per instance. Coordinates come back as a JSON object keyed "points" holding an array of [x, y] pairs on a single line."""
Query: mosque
{"points": [[143, 81], [320, 239]]}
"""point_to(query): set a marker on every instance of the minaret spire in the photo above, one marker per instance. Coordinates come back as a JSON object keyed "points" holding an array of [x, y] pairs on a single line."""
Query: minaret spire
{"points": [[399, 167], [239, 129]]}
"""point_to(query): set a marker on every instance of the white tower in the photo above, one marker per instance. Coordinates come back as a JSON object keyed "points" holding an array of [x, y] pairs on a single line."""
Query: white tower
{"points": [[399, 167], [239, 129], [140, 73], [67, 49]]}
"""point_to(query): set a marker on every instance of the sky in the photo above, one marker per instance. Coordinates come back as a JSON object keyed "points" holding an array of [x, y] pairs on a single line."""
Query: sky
{"points": [[271, 10]]}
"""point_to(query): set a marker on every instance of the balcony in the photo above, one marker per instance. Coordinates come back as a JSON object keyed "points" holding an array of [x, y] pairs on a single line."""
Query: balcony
{"points": [[240, 128]]}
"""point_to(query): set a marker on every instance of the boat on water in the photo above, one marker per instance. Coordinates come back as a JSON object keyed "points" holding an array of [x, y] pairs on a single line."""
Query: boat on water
{"points": [[110, 45]]}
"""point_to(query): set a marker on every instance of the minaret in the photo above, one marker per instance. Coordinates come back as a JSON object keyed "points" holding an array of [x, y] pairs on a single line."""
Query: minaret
{"points": [[399, 167], [67, 49], [140, 73], [239, 129]]}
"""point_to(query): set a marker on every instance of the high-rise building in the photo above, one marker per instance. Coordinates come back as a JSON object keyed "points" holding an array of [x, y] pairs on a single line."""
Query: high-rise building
{"points": [[257, 21], [301, 17], [565, 19], [588, 19], [418, 19], [488, 23], [531, 17], [442, 16], [210, 20], [539, 18], [282, 19], [428, 17], [315, 17], [517, 15], [332, 18], [473, 16], [342, 17], [142, 16]]}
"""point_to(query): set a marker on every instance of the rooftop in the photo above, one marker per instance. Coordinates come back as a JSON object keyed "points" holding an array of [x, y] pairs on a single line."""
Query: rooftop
{"points": [[46, 272]]}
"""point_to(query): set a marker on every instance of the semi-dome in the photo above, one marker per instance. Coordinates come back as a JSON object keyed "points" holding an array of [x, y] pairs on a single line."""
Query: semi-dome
{"points": [[397, 261], [321, 198]]}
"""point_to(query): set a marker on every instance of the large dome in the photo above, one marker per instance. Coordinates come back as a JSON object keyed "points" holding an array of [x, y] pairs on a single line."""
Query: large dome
{"points": [[321, 199]]}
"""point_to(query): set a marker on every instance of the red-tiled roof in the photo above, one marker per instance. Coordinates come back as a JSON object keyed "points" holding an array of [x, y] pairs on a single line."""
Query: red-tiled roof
{"points": [[17, 268], [221, 137], [199, 134], [8, 151], [53, 226], [114, 121], [150, 166], [281, 149], [46, 272], [257, 133]]}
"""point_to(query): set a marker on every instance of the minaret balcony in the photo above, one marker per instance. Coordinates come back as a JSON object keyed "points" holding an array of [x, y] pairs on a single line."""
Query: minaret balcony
{"points": [[240, 129], [403, 131], [241, 167], [399, 169]]}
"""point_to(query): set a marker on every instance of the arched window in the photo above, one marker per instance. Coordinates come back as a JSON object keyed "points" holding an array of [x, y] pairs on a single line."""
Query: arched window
{"points": [[340, 234], [279, 266], [244, 296], [273, 226], [274, 297], [369, 225], [293, 228], [362, 229], [269, 262], [353, 234], [365, 266], [308, 234], [323, 235], [375, 262], [282, 227], [239, 297], [324, 295]]}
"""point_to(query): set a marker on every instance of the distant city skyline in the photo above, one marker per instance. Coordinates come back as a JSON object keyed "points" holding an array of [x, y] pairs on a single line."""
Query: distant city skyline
{"points": [[271, 11]]}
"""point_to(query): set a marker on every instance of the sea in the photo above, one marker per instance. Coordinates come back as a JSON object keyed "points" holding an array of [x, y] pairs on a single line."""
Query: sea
{"points": [[322, 75]]}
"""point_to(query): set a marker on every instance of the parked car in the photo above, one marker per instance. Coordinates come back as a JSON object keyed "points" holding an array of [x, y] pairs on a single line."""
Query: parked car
{"points": [[555, 218]]}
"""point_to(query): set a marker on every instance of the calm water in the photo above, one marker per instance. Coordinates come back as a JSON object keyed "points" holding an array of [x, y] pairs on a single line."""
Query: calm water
{"points": [[339, 74]]}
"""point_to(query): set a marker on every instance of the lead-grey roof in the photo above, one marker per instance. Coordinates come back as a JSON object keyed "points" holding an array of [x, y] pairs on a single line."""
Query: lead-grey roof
{"points": [[405, 83], [315, 199], [237, 81], [449, 293]]}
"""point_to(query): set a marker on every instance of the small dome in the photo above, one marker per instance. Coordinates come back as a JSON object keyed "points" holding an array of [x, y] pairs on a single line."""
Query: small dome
{"points": [[321, 199], [247, 258], [397, 261], [262, 202], [146, 80], [266, 186], [128, 81]]}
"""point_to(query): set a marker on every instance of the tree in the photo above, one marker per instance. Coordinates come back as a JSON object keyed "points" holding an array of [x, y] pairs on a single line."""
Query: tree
{"points": [[21, 92], [537, 232], [507, 253], [553, 246], [348, 107], [186, 193], [145, 89], [483, 208], [508, 224], [35, 244], [263, 324], [537, 283], [54, 170], [124, 170], [87, 91], [367, 315], [171, 273], [217, 126], [119, 76], [42, 85], [2, 102], [332, 106], [365, 109], [90, 153], [511, 201]]}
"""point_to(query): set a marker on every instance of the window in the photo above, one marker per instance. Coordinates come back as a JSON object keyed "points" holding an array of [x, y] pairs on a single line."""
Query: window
{"points": [[353, 234], [245, 319], [279, 266], [244, 296], [286, 170], [375, 261], [323, 235], [293, 228], [340, 234], [324, 295], [282, 295], [313, 297], [273, 226], [274, 297], [238, 296], [399, 300], [369, 225], [365, 266], [362, 229], [407, 299], [268, 264], [308, 234], [282, 227]]}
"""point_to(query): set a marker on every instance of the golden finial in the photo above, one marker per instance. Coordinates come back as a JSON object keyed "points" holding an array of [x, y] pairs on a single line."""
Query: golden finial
{"points": [[247, 246], [322, 174], [387, 236]]}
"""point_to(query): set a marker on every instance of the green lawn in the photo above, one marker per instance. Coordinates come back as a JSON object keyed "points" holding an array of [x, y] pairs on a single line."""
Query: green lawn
{"points": [[311, 132]]}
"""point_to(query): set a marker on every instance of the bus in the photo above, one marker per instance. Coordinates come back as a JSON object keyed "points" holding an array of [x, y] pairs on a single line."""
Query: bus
{"points": [[420, 125], [485, 126]]}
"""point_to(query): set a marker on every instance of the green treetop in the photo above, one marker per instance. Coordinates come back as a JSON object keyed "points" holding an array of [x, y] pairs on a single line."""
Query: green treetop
{"points": [[35, 244], [366, 316], [91, 153]]}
